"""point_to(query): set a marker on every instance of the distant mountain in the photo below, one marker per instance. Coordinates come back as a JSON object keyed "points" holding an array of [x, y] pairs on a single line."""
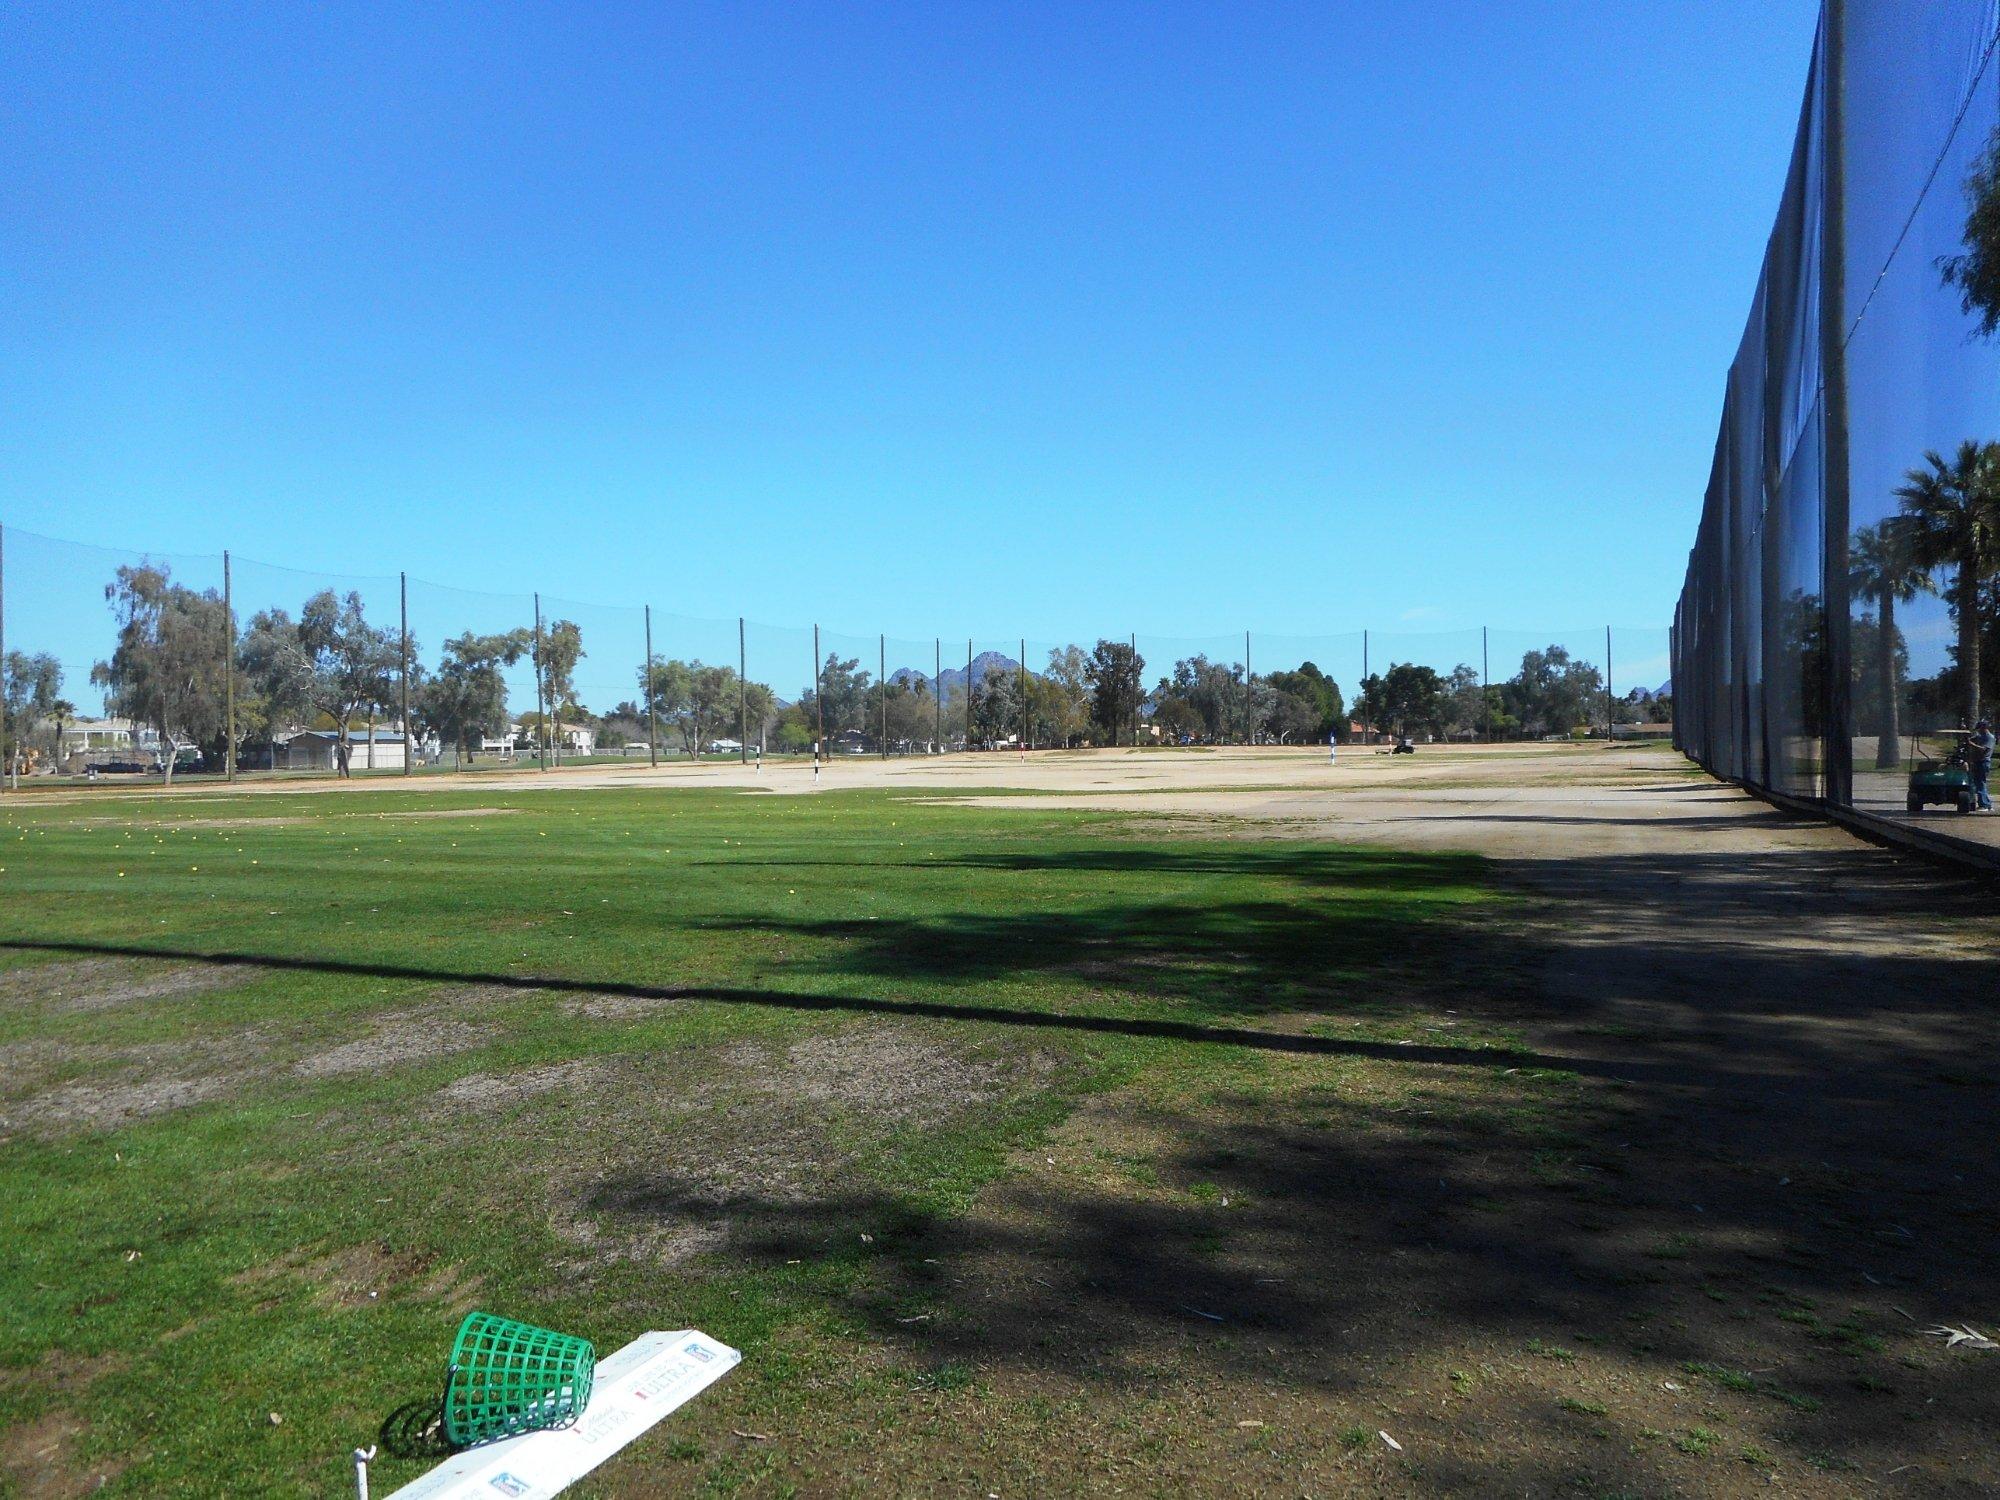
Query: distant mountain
{"points": [[983, 665]]}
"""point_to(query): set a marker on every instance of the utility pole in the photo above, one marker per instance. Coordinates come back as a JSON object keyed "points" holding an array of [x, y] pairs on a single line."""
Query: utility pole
{"points": [[228, 678], [652, 723], [882, 687], [742, 693], [409, 739], [541, 707]]}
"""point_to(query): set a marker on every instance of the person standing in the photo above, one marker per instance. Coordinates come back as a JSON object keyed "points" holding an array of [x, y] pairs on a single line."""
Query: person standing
{"points": [[1979, 761]]}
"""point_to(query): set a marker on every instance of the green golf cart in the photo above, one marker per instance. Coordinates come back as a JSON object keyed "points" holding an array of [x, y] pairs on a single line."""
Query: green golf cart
{"points": [[1943, 778]]}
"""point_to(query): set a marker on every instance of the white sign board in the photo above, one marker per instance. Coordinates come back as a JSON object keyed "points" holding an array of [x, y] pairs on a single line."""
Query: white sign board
{"points": [[633, 1390]]}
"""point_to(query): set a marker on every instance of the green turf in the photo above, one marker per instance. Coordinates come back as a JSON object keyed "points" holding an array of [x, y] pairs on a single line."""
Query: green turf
{"points": [[173, 1281]]}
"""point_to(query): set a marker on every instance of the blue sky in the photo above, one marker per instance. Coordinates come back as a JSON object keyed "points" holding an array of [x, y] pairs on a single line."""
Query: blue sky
{"points": [[971, 319]]}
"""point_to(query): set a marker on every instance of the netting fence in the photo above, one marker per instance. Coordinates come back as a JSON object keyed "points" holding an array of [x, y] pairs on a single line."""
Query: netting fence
{"points": [[122, 662], [1838, 634]]}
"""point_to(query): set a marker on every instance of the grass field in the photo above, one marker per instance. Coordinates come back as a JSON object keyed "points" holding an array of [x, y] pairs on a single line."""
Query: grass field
{"points": [[1021, 1149]]}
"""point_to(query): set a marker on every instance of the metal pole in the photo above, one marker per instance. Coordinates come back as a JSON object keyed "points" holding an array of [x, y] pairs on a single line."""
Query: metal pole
{"points": [[1485, 708], [1249, 729], [819, 706], [742, 694], [652, 717], [1367, 734], [228, 677], [1610, 703], [409, 740], [541, 708], [882, 687], [937, 690], [968, 693], [5, 746], [1133, 641], [1027, 729], [1837, 731]]}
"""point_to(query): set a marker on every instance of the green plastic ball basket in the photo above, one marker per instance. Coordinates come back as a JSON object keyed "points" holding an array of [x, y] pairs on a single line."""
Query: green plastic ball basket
{"points": [[508, 1377]]}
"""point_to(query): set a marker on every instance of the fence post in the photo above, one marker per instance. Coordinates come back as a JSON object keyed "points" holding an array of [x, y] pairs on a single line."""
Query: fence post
{"points": [[652, 722], [541, 710], [228, 676], [742, 694]]}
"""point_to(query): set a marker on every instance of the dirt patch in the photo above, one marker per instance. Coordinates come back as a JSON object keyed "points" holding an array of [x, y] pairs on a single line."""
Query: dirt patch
{"points": [[108, 1106], [357, 1276], [492, 1091], [398, 1040], [619, 1007], [129, 1083], [40, 1462], [757, 1152], [89, 984], [885, 1072]]}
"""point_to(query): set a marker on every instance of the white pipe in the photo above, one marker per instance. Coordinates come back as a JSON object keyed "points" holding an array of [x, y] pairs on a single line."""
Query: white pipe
{"points": [[361, 1458]]}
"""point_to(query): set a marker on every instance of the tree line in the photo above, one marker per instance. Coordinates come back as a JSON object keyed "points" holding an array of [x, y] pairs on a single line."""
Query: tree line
{"points": [[171, 669]]}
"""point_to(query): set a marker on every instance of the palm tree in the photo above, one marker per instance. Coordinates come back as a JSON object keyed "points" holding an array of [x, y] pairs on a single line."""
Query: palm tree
{"points": [[63, 712], [1882, 566], [1954, 514]]}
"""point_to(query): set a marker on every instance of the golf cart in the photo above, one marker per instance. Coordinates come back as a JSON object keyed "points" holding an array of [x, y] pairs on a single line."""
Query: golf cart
{"points": [[1945, 780]]}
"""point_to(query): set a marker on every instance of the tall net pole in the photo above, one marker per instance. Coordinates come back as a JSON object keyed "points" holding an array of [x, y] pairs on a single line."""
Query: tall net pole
{"points": [[541, 700], [1610, 702], [228, 676], [1027, 730], [1137, 686], [742, 694], [1485, 705], [1249, 716], [882, 689], [6, 746], [819, 706], [968, 693], [1367, 703], [409, 739], [652, 716], [937, 692], [1833, 384]]}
